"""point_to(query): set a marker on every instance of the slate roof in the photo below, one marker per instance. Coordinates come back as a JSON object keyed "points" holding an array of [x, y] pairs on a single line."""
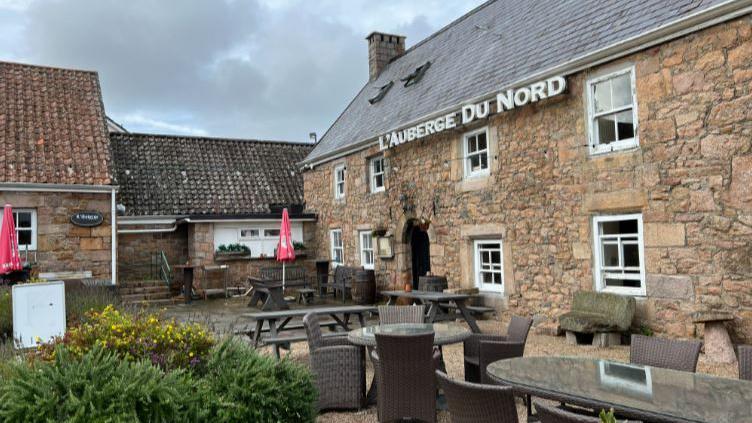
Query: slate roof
{"points": [[170, 175], [52, 126], [493, 46]]}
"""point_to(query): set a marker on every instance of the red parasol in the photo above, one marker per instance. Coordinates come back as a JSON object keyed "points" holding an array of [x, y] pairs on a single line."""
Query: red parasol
{"points": [[285, 250], [10, 260]]}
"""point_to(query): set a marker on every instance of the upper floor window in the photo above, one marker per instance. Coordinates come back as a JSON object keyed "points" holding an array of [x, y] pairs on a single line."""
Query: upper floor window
{"points": [[366, 249], [376, 168], [337, 247], [619, 254], [489, 265], [339, 181], [475, 146], [612, 112]]}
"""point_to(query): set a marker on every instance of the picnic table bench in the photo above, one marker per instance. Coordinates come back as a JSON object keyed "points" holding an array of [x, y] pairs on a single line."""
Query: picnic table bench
{"points": [[277, 321], [437, 303], [268, 288]]}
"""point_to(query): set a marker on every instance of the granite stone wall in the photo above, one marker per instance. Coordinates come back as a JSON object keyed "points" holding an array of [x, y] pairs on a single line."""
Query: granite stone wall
{"points": [[62, 246], [691, 178]]}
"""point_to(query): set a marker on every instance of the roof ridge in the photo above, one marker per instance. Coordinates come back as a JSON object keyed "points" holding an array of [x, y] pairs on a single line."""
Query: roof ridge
{"points": [[58, 68], [199, 137]]}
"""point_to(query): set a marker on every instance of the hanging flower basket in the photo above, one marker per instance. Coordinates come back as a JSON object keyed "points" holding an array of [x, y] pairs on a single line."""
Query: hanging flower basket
{"points": [[424, 224]]}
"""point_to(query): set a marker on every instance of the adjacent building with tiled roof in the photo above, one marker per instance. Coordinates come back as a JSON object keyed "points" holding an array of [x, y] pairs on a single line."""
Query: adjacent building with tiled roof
{"points": [[55, 165]]}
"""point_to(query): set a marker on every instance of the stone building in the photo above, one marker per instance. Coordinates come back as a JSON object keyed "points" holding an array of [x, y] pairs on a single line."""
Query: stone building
{"points": [[188, 196], [54, 165], [607, 147]]}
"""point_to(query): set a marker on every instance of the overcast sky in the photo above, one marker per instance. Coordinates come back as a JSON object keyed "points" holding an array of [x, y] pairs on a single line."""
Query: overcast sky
{"points": [[272, 69]]}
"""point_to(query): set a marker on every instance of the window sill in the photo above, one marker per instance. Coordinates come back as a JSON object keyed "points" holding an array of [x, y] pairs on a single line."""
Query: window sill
{"points": [[628, 148], [624, 292], [474, 183]]}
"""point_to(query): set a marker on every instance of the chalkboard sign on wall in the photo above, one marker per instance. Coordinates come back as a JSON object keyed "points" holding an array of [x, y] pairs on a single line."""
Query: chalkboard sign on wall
{"points": [[87, 218]]}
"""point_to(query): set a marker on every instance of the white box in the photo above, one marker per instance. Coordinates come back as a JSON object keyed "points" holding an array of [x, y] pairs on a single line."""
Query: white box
{"points": [[38, 312]]}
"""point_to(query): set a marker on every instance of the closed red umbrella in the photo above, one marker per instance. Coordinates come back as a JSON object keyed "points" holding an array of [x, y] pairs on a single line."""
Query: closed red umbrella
{"points": [[10, 260], [285, 250]]}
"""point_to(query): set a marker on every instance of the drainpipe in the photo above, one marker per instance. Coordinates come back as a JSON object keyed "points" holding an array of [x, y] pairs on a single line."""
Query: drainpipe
{"points": [[113, 242]]}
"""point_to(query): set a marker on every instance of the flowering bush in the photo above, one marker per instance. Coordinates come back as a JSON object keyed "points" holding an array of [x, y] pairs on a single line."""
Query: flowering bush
{"points": [[167, 344]]}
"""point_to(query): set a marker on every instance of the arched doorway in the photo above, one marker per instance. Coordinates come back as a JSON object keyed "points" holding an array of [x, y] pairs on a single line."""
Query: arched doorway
{"points": [[420, 251]]}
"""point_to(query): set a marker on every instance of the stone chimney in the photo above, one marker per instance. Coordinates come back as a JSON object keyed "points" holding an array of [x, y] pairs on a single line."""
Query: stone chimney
{"points": [[382, 48]]}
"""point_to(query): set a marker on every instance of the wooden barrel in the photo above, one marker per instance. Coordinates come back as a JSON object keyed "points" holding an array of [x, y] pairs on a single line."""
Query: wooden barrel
{"points": [[432, 283], [364, 287]]}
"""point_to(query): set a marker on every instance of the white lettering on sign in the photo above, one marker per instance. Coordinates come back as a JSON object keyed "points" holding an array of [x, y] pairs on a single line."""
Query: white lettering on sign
{"points": [[468, 113]]}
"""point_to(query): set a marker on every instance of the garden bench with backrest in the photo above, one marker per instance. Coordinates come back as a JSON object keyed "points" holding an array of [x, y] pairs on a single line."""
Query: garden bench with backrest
{"points": [[603, 315], [340, 281], [267, 286]]}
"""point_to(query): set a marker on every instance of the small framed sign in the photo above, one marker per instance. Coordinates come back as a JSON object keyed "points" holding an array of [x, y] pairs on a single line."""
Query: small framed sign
{"points": [[87, 218], [385, 245]]}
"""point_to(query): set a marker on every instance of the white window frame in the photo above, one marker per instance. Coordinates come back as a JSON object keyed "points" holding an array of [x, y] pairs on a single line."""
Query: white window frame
{"points": [[33, 245], [477, 267], [372, 174], [339, 170], [599, 273], [364, 252], [596, 148], [334, 247], [249, 238], [469, 173]]}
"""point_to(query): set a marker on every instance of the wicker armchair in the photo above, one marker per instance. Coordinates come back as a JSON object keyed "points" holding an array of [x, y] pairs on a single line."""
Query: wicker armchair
{"points": [[489, 348], [550, 414], [405, 377], [402, 314], [472, 402], [665, 353], [338, 367], [745, 362]]}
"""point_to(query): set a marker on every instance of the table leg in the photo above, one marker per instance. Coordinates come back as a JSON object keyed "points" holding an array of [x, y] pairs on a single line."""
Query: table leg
{"points": [[468, 317], [257, 334], [340, 322], [283, 324], [273, 334], [432, 310], [361, 320], [278, 297]]}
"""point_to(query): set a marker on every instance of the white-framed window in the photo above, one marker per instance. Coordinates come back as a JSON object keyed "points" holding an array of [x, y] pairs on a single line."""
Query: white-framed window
{"points": [[249, 233], [337, 248], [489, 265], [271, 233], [619, 254], [475, 153], [376, 173], [26, 228], [612, 112], [339, 181], [366, 249]]}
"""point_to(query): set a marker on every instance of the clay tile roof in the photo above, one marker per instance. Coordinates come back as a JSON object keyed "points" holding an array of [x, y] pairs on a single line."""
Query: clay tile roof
{"points": [[52, 126], [491, 47], [168, 175]]}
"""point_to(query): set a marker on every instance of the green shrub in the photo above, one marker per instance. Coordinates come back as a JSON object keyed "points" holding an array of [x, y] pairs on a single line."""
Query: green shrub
{"points": [[248, 386], [242, 248], [97, 388], [6, 314]]}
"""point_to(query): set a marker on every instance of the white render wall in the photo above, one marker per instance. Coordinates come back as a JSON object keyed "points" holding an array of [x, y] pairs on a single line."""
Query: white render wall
{"points": [[229, 233]]}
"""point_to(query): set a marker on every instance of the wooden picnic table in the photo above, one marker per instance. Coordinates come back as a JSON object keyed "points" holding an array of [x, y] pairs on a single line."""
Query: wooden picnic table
{"points": [[277, 321], [271, 294], [434, 301]]}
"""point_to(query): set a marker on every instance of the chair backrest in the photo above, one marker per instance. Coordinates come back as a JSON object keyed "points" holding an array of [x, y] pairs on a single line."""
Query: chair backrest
{"points": [[274, 274], [473, 402], [550, 414], [313, 331], [407, 384], [518, 329], [745, 362], [402, 314], [666, 353]]}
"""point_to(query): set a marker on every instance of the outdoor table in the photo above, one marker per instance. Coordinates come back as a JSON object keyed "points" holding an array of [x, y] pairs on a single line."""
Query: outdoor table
{"points": [[187, 281], [273, 318], [444, 333], [645, 393], [274, 291], [434, 300]]}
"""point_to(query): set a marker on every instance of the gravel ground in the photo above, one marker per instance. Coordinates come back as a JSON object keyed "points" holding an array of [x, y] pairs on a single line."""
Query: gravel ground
{"points": [[223, 317]]}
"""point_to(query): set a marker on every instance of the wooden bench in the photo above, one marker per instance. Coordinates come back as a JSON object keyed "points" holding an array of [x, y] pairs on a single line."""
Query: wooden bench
{"points": [[329, 324], [267, 286], [340, 281], [283, 342], [474, 310]]}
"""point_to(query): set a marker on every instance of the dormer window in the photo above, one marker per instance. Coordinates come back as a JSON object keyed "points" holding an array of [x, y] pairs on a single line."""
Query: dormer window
{"points": [[382, 92], [415, 77]]}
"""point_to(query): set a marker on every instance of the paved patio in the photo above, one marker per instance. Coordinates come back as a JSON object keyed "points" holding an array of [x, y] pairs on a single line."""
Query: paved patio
{"points": [[224, 317]]}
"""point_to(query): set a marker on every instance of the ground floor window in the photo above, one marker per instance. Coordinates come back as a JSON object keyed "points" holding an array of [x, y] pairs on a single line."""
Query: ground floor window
{"points": [[26, 228], [489, 265], [366, 249], [619, 254], [337, 253]]}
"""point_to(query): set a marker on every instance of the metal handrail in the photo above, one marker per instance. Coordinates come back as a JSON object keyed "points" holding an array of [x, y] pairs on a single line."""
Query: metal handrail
{"points": [[165, 272]]}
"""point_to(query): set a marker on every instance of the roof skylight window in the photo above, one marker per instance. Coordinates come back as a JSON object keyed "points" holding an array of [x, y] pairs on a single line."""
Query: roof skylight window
{"points": [[382, 92], [417, 74]]}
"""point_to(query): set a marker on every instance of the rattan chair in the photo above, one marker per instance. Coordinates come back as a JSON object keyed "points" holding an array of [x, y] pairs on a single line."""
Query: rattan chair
{"points": [[666, 353], [405, 377], [550, 414], [338, 367], [745, 362], [472, 402], [489, 348], [402, 314]]}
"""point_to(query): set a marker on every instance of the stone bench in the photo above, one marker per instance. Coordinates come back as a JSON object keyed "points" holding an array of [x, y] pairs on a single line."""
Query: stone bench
{"points": [[604, 316]]}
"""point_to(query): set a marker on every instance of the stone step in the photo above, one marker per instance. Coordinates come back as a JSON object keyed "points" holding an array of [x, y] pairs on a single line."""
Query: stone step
{"points": [[156, 289], [145, 297], [141, 283], [155, 303]]}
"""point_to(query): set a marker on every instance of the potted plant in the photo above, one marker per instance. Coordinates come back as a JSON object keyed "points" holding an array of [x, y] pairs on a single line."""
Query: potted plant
{"points": [[300, 248], [424, 223], [231, 251]]}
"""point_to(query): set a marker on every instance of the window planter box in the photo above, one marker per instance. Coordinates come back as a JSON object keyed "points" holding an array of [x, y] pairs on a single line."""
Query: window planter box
{"points": [[230, 255]]}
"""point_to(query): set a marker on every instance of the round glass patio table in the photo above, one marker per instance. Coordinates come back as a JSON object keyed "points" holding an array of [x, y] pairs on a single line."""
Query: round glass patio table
{"points": [[444, 333], [636, 392]]}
